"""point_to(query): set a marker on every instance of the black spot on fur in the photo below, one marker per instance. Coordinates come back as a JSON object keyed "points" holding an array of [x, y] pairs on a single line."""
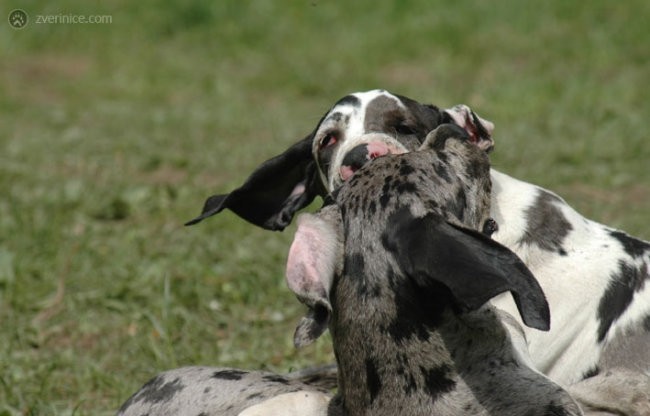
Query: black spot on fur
{"points": [[349, 100], [592, 372], [385, 241], [372, 208], [556, 410], [372, 379], [442, 156], [273, 378], [646, 323], [410, 385], [632, 246], [477, 170], [405, 169], [155, 391], [458, 205], [418, 311], [386, 191], [336, 116], [353, 180], [402, 331], [441, 170], [406, 187], [354, 265], [384, 199], [437, 380], [618, 296], [229, 374], [391, 276], [356, 201], [546, 224], [254, 396]]}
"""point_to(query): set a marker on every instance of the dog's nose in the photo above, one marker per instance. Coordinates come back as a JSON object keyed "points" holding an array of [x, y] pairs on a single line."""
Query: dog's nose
{"points": [[356, 157], [362, 154]]}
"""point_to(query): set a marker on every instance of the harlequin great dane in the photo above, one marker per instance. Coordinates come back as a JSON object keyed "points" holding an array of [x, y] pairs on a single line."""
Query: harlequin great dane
{"points": [[594, 276]]}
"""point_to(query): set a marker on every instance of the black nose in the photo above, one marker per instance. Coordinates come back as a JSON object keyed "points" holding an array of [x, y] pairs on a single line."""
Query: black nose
{"points": [[357, 157]]}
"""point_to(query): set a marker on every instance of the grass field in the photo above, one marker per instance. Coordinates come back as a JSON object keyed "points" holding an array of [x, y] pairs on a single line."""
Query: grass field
{"points": [[112, 135]]}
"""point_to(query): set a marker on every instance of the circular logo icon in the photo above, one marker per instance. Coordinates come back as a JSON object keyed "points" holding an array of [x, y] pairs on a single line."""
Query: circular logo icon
{"points": [[18, 19]]}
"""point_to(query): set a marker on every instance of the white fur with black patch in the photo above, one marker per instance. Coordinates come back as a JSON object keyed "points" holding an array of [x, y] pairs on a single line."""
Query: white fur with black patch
{"points": [[595, 278]]}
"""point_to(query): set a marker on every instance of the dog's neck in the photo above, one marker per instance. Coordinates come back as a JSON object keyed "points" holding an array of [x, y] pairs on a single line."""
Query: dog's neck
{"points": [[423, 361], [510, 198], [375, 351], [397, 360]]}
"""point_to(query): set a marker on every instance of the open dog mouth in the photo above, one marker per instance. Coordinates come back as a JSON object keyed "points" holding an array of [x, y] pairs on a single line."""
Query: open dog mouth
{"points": [[356, 158]]}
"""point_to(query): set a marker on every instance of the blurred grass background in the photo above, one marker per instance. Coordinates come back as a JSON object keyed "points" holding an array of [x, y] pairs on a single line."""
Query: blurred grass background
{"points": [[112, 135]]}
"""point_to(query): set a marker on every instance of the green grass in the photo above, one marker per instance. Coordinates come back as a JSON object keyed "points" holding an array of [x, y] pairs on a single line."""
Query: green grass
{"points": [[111, 136]]}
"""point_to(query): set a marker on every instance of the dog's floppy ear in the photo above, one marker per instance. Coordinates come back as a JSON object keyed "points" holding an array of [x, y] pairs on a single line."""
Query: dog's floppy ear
{"points": [[314, 258], [474, 267], [479, 129], [275, 190]]}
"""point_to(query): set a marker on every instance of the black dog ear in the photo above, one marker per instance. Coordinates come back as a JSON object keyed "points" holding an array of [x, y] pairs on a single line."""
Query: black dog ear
{"points": [[472, 266], [275, 190]]}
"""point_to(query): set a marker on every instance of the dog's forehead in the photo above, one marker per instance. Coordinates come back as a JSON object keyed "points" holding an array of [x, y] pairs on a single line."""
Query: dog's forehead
{"points": [[358, 109], [363, 100]]}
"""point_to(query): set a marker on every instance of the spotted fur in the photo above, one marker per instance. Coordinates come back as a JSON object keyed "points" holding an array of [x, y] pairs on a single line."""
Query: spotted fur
{"points": [[213, 391], [595, 277], [410, 328]]}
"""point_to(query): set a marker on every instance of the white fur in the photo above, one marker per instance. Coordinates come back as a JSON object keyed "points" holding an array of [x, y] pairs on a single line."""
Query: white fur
{"points": [[573, 284]]}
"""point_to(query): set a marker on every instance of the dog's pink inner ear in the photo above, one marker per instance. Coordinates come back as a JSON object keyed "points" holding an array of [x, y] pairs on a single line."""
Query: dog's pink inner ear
{"points": [[479, 129], [312, 259]]}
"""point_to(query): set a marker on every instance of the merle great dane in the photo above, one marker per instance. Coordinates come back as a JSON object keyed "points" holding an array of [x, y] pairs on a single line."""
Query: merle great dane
{"points": [[595, 277]]}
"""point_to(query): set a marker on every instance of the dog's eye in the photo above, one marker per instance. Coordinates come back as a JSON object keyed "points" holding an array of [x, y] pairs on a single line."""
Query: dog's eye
{"points": [[404, 129], [328, 140]]}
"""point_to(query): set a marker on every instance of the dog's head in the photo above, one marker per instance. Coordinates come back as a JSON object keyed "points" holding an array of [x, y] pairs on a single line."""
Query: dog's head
{"points": [[357, 129], [406, 224]]}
